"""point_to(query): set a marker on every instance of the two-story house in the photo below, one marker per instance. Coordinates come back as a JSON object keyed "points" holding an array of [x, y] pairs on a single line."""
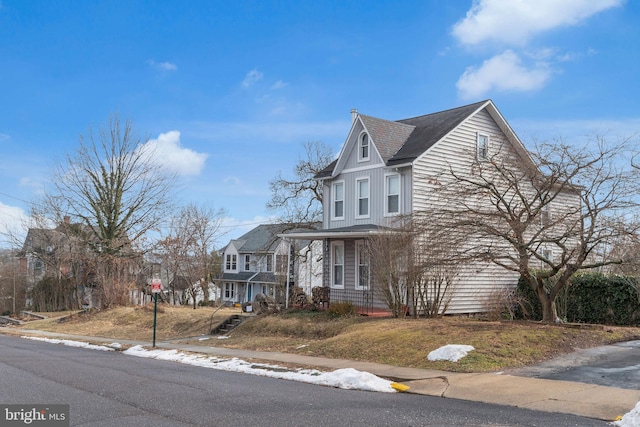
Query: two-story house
{"points": [[256, 263], [57, 253], [386, 170]]}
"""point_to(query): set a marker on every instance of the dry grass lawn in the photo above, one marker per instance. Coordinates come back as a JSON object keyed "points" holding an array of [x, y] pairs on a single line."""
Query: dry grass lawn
{"points": [[406, 342]]}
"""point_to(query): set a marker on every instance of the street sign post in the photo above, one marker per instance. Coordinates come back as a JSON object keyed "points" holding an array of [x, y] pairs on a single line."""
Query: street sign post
{"points": [[156, 288]]}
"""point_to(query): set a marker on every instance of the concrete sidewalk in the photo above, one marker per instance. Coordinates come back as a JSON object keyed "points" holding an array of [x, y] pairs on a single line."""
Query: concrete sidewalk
{"points": [[587, 400]]}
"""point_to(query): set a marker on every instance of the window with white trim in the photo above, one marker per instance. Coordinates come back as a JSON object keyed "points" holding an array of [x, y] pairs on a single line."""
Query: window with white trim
{"points": [[232, 262], [229, 290], [362, 191], [269, 262], [482, 146], [338, 200], [337, 264], [363, 147], [392, 192], [247, 262], [362, 266]]}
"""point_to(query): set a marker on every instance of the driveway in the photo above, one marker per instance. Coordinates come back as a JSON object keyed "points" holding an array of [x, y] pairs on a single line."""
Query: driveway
{"points": [[616, 365]]}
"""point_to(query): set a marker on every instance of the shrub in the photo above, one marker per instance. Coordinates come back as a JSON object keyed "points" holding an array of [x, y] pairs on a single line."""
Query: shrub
{"points": [[341, 309], [590, 298]]}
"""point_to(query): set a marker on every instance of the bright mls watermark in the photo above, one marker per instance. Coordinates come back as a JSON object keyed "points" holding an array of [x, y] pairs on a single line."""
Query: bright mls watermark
{"points": [[34, 415]]}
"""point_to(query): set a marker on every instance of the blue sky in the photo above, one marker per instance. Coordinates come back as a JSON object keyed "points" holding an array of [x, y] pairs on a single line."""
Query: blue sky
{"points": [[231, 90]]}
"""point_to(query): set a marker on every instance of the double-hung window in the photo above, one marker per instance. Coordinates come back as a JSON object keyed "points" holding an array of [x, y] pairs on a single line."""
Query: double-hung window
{"points": [[338, 200], [362, 267], [232, 262], [392, 192], [247, 262], [229, 291], [337, 264], [482, 146], [269, 262], [362, 191]]}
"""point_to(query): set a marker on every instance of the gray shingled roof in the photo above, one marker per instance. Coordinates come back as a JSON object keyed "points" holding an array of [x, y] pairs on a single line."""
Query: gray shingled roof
{"points": [[388, 137], [430, 129], [265, 237], [405, 140]]}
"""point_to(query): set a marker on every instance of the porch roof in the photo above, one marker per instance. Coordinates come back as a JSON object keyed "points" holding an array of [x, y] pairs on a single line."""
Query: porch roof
{"points": [[249, 276], [352, 232]]}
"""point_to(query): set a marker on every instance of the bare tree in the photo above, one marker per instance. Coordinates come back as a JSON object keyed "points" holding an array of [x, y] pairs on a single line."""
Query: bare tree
{"points": [[546, 220], [112, 185], [188, 250], [298, 200], [115, 192], [12, 283], [414, 265]]}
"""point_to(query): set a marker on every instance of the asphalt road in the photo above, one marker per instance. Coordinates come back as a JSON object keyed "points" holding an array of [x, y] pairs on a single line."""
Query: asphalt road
{"points": [[616, 365], [113, 389]]}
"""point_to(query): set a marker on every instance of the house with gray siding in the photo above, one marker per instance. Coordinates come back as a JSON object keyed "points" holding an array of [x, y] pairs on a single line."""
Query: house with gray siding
{"points": [[256, 263], [385, 171]]}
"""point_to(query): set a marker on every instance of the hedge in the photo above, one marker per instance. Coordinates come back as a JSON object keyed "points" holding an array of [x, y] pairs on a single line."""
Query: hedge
{"points": [[590, 298]]}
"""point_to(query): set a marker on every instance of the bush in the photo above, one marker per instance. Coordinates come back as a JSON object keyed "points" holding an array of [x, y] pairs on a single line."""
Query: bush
{"points": [[6, 312], [341, 309], [590, 298]]}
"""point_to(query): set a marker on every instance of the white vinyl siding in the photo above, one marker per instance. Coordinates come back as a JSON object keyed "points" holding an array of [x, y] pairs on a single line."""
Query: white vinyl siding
{"points": [[459, 150]]}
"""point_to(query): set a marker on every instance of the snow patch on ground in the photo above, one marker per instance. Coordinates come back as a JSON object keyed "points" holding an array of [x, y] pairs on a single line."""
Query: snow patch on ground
{"points": [[342, 378], [450, 352], [630, 419], [74, 343], [348, 378]]}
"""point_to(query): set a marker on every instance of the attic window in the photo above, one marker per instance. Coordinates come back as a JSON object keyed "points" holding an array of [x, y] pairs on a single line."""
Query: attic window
{"points": [[363, 148], [482, 146]]}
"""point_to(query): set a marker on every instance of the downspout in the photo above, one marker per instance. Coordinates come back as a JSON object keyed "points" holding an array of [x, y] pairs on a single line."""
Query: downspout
{"points": [[286, 305]]}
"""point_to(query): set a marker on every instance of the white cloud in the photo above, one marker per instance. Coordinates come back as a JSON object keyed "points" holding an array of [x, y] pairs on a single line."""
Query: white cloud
{"points": [[515, 22], [279, 85], [12, 224], [503, 72], [252, 78], [233, 180], [174, 157], [165, 66]]}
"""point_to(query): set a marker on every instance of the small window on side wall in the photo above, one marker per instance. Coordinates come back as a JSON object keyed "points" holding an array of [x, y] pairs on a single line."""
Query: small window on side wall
{"points": [[482, 146]]}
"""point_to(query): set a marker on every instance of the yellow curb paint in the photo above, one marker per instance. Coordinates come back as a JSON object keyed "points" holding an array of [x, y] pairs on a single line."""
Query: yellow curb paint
{"points": [[399, 387]]}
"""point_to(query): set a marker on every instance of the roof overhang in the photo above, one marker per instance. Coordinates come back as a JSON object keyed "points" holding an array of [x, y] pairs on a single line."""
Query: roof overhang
{"points": [[354, 232]]}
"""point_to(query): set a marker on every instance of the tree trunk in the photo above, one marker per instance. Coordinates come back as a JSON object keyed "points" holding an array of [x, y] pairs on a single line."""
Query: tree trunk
{"points": [[549, 314]]}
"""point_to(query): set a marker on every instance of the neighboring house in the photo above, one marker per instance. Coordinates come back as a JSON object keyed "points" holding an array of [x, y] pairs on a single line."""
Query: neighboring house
{"points": [[385, 171], [256, 263], [55, 253]]}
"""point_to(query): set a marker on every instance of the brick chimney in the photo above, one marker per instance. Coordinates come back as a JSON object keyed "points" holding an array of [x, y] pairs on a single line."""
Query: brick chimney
{"points": [[67, 219]]}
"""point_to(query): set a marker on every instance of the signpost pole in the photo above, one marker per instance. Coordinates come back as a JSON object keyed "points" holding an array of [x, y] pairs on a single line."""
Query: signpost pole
{"points": [[155, 310], [156, 287]]}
